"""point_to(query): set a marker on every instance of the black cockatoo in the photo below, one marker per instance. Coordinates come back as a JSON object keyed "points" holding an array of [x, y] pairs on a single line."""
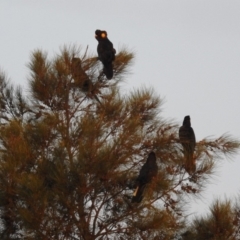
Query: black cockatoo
{"points": [[148, 171], [188, 141], [106, 52]]}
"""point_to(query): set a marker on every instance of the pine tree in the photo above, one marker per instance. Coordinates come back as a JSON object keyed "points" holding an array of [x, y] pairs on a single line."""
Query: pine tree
{"points": [[223, 223], [72, 149]]}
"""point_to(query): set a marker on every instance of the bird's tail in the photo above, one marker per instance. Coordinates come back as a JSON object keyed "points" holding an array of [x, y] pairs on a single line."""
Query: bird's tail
{"points": [[108, 70], [190, 163], [138, 194]]}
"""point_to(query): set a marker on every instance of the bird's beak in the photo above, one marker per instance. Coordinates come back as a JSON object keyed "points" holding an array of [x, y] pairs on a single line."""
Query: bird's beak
{"points": [[95, 36]]}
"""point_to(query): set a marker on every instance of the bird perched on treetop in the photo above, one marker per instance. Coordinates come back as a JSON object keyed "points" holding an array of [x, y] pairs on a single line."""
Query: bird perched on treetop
{"points": [[148, 171], [188, 141], [106, 52]]}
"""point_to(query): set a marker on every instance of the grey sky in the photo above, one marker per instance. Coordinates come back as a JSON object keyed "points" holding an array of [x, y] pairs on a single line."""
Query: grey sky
{"points": [[189, 51]]}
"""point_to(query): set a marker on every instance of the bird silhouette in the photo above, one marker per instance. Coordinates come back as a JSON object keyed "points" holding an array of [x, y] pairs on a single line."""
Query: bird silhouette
{"points": [[106, 52], [188, 141], [148, 171]]}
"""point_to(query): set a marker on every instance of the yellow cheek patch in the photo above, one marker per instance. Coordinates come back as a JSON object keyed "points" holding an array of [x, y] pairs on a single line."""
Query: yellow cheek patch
{"points": [[103, 35], [135, 192]]}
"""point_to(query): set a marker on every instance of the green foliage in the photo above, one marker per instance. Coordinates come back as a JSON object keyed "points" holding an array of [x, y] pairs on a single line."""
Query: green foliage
{"points": [[71, 153]]}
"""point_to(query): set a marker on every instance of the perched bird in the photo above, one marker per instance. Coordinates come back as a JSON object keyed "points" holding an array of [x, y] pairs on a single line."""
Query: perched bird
{"points": [[81, 79], [148, 171], [106, 52], [188, 141]]}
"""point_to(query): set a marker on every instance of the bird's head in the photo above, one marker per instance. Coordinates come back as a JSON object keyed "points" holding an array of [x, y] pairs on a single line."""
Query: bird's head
{"points": [[187, 120], [151, 157], [100, 34]]}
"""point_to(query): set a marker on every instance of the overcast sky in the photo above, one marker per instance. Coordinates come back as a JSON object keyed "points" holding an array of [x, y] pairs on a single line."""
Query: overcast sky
{"points": [[188, 50]]}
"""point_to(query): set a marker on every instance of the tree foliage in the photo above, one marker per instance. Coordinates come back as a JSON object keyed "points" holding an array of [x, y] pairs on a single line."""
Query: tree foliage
{"points": [[72, 148], [223, 223]]}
